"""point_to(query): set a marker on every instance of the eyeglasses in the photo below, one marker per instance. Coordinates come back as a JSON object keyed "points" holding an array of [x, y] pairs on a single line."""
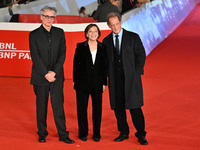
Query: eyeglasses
{"points": [[47, 17]]}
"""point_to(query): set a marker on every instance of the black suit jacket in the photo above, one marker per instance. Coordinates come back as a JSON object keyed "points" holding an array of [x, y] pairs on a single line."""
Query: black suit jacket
{"points": [[39, 49], [86, 76], [133, 60]]}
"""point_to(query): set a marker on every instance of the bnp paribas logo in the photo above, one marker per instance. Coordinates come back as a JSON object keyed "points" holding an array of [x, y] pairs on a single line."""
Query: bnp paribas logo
{"points": [[9, 51]]}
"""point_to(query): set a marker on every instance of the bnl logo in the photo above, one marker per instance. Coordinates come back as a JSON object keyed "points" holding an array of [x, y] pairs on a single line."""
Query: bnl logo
{"points": [[8, 51]]}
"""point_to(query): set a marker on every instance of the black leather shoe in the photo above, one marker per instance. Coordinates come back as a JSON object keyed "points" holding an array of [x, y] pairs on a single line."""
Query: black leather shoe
{"points": [[121, 137], [83, 138], [42, 139], [96, 139], [143, 140], [66, 140]]}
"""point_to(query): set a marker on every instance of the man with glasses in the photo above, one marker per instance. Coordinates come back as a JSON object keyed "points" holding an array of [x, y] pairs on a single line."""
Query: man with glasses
{"points": [[48, 50]]}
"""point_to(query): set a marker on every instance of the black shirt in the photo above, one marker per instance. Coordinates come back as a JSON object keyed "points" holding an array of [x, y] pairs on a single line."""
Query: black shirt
{"points": [[49, 38]]}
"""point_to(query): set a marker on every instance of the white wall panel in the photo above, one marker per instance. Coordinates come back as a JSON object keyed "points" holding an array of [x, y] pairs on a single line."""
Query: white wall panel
{"points": [[156, 20]]}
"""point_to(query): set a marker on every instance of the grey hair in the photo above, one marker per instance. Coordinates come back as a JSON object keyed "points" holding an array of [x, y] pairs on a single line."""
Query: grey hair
{"points": [[48, 8], [113, 14]]}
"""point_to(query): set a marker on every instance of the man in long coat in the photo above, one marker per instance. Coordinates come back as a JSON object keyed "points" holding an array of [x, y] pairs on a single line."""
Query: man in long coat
{"points": [[126, 59]]}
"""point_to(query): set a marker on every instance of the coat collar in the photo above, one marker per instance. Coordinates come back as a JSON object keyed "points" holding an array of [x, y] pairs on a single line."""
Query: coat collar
{"points": [[53, 35], [123, 44], [98, 43], [43, 29]]}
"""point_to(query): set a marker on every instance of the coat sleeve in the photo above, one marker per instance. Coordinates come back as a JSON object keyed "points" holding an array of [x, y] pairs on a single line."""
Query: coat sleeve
{"points": [[38, 63], [62, 54], [76, 63], [140, 55]]}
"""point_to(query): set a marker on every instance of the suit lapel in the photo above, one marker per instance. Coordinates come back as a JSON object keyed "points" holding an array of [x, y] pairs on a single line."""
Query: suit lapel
{"points": [[43, 39], [87, 49], [124, 42], [99, 46], [54, 39], [111, 46]]}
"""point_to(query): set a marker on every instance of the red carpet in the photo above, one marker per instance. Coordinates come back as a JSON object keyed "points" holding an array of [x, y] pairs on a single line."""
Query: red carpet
{"points": [[172, 100]]}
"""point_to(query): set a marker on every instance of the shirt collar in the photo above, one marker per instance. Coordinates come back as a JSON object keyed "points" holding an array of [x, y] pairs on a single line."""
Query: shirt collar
{"points": [[46, 30], [120, 33]]}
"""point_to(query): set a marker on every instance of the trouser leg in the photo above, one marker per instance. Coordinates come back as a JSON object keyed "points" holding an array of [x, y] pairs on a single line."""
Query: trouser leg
{"points": [[122, 124], [57, 101], [82, 105], [42, 95], [138, 121], [96, 113]]}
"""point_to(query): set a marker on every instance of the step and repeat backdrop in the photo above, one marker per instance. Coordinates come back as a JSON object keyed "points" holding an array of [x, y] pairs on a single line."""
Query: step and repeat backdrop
{"points": [[153, 22], [15, 59]]}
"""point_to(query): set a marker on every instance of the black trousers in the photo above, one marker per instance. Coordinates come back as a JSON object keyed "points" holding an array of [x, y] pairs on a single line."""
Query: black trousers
{"points": [[82, 105], [120, 111], [57, 100]]}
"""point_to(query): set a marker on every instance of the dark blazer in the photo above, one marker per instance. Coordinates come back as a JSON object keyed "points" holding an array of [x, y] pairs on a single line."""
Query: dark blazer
{"points": [[133, 60], [86, 76], [39, 49], [103, 10]]}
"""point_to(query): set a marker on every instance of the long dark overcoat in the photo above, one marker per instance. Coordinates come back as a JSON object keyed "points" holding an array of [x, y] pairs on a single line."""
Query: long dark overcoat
{"points": [[133, 60]]}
